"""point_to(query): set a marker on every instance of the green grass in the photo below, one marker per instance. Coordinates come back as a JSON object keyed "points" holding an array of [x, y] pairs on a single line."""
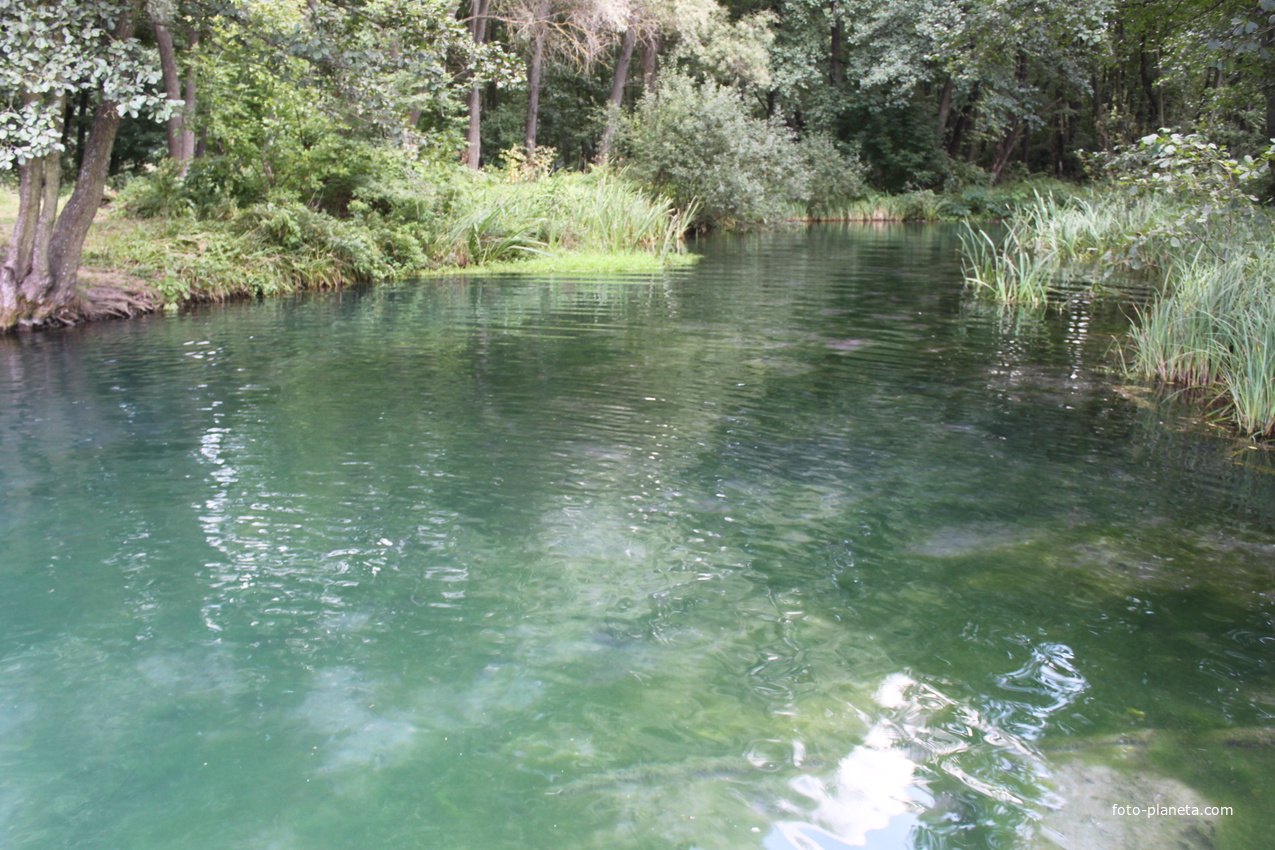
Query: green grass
{"points": [[8, 213], [497, 220]]}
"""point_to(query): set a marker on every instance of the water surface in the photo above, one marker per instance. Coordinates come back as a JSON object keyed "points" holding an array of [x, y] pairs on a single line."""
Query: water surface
{"points": [[799, 548]]}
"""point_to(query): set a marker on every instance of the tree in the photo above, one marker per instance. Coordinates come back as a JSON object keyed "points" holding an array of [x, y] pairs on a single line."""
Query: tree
{"points": [[53, 51], [180, 127]]}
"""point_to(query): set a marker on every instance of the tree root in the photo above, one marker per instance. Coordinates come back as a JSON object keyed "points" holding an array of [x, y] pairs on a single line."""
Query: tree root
{"points": [[101, 297]]}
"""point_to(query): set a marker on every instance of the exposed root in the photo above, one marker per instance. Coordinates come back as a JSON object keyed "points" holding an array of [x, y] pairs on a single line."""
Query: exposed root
{"points": [[102, 295], [100, 302]]}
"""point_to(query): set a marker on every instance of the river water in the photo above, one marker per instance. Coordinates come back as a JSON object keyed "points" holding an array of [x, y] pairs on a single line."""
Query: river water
{"points": [[798, 548]]}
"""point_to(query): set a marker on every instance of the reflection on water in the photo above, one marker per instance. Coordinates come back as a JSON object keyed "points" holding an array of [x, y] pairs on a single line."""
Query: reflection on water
{"points": [[926, 757], [797, 549]]}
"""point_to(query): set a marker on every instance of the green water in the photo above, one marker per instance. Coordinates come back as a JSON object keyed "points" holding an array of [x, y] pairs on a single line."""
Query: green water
{"points": [[798, 548]]}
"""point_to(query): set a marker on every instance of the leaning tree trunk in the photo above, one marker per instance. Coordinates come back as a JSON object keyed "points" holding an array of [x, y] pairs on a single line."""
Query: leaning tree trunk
{"points": [[67, 245], [627, 43], [1005, 151]]}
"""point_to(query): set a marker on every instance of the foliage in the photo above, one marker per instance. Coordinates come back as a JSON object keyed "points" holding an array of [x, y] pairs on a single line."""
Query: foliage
{"points": [[365, 65], [834, 176], [698, 143], [55, 50], [406, 221], [1187, 167]]}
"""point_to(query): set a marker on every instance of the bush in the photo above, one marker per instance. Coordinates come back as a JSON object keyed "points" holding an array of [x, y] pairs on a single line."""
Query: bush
{"points": [[158, 194], [698, 142], [834, 178]]}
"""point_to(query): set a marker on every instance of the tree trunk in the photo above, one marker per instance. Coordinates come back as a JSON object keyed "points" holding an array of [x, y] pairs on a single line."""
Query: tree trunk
{"points": [[650, 62], [1268, 43], [535, 72], [46, 282], [38, 281], [1148, 74], [836, 63], [172, 88], [474, 149], [188, 120], [67, 244], [17, 261], [963, 125], [945, 110], [622, 62], [1005, 150]]}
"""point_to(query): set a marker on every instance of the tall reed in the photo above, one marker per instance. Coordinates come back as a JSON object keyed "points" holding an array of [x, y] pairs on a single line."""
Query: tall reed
{"points": [[1010, 272], [564, 211], [1211, 323], [1215, 329]]}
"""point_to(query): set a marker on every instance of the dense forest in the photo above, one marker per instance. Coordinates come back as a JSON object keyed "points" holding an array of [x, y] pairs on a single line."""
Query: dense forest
{"points": [[269, 145]]}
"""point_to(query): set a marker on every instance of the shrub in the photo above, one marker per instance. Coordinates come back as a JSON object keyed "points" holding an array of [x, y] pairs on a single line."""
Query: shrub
{"points": [[157, 194], [833, 177], [698, 142]]}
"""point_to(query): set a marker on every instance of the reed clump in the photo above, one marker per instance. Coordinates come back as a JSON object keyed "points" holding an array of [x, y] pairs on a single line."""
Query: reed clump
{"points": [[1010, 272], [498, 219], [1214, 330], [1202, 243]]}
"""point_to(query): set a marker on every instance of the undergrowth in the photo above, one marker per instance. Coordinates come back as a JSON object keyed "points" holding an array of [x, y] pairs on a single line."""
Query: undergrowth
{"points": [[193, 249]]}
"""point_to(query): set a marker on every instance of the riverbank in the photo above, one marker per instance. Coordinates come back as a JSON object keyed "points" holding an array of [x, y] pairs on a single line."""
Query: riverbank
{"points": [[153, 247], [162, 242], [1208, 329]]}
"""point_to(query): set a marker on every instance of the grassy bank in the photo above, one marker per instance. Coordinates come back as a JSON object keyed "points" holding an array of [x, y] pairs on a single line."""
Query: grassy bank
{"points": [[158, 235], [412, 225], [1210, 326]]}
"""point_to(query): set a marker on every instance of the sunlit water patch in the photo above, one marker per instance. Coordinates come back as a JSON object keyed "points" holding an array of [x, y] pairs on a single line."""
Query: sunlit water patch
{"points": [[797, 549]]}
